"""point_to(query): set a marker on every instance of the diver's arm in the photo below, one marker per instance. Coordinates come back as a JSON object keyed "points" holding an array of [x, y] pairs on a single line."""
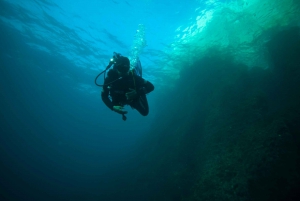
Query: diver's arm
{"points": [[104, 96], [109, 104], [106, 100], [146, 87]]}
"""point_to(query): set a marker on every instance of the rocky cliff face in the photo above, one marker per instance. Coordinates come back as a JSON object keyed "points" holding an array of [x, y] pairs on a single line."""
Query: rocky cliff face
{"points": [[230, 133]]}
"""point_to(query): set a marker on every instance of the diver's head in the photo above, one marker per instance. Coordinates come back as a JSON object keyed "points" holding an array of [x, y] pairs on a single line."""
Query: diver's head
{"points": [[122, 65]]}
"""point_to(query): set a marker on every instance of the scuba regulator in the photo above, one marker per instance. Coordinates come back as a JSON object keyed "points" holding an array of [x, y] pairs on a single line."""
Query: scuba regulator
{"points": [[112, 61]]}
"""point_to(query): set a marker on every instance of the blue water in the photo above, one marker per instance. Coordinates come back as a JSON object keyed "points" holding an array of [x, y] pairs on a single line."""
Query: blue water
{"points": [[58, 139]]}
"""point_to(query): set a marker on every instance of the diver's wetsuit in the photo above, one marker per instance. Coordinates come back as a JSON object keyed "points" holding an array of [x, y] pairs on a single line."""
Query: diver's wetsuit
{"points": [[120, 87]]}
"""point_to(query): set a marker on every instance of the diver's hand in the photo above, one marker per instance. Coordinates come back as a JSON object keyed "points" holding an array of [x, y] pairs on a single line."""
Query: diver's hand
{"points": [[131, 95], [119, 109]]}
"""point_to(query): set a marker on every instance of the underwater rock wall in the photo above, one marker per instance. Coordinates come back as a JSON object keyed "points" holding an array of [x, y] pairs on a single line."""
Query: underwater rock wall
{"points": [[229, 133]]}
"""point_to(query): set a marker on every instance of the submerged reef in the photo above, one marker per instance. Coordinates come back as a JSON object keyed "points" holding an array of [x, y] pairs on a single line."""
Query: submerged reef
{"points": [[227, 131]]}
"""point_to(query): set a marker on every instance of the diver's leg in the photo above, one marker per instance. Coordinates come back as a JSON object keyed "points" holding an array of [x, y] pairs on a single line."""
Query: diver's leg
{"points": [[141, 105]]}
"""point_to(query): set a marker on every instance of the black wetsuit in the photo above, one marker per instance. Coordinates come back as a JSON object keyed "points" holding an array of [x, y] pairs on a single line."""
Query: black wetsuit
{"points": [[119, 87]]}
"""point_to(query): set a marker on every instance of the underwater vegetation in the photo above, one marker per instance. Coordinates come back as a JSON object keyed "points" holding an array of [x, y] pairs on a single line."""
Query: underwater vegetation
{"points": [[228, 132]]}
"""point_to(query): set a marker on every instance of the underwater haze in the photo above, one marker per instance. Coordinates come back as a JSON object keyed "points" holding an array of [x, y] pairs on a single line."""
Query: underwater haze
{"points": [[224, 119]]}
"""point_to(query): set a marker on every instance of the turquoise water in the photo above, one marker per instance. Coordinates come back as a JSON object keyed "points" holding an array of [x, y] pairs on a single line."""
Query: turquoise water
{"points": [[58, 140]]}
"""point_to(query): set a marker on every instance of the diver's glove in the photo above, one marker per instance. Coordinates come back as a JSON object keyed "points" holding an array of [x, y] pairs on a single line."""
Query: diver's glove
{"points": [[119, 109], [131, 95], [142, 91]]}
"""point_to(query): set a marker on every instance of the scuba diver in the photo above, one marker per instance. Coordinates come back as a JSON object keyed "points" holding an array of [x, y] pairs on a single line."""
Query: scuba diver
{"points": [[123, 86]]}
